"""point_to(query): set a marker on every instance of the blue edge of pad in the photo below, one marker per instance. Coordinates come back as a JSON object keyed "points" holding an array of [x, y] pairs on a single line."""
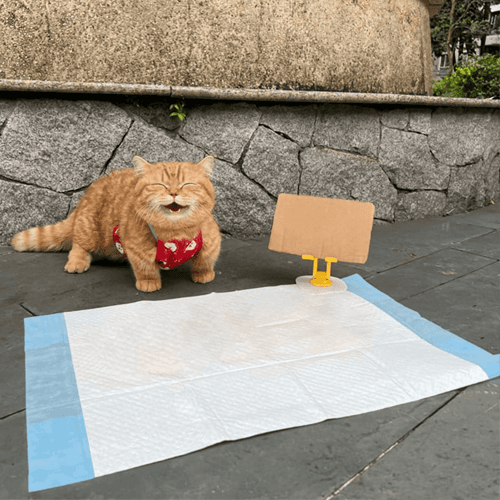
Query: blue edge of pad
{"points": [[58, 447], [425, 329]]}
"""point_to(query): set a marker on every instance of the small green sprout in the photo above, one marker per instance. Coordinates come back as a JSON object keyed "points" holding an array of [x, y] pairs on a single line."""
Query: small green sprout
{"points": [[178, 111]]}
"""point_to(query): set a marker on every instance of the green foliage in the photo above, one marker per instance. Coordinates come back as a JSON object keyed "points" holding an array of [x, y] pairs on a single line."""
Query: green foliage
{"points": [[178, 111], [469, 26], [477, 78]]}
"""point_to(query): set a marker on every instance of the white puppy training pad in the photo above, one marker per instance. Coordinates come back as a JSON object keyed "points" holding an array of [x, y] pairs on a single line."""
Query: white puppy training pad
{"points": [[118, 387]]}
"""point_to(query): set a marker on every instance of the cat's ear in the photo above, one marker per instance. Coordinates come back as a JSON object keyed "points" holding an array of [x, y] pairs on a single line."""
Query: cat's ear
{"points": [[139, 164], [208, 165]]}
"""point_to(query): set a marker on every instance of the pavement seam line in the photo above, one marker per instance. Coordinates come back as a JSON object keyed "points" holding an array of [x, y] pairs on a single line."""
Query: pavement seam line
{"points": [[463, 250], [451, 246], [414, 259], [390, 448], [453, 279], [12, 414], [27, 310], [476, 224], [491, 230]]}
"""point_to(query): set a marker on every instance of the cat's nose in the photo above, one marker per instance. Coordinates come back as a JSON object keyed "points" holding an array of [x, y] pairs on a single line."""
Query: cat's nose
{"points": [[173, 194]]}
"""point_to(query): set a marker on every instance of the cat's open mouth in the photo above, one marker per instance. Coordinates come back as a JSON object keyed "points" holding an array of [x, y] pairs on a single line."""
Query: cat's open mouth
{"points": [[175, 207]]}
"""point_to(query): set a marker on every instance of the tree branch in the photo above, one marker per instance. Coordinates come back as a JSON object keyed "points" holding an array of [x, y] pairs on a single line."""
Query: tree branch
{"points": [[448, 40]]}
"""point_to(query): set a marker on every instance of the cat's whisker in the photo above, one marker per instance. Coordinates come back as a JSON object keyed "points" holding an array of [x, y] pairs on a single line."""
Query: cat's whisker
{"points": [[203, 208]]}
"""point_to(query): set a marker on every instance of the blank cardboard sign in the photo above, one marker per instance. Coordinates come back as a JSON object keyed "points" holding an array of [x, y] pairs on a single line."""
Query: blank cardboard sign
{"points": [[322, 227]]}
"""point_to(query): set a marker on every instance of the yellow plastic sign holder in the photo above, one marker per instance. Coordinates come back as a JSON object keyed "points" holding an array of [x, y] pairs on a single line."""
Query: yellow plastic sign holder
{"points": [[320, 278]]}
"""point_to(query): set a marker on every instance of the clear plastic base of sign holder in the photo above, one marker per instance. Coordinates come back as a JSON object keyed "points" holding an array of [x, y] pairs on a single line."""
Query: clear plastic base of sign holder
{"points": [[337, 285]]}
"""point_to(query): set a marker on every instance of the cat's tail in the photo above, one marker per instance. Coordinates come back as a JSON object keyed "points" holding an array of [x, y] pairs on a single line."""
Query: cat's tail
{"points": [[50, 238]]}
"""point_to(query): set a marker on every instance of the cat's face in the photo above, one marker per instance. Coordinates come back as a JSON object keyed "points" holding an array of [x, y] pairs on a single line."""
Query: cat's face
{"points": [[180, 193]]}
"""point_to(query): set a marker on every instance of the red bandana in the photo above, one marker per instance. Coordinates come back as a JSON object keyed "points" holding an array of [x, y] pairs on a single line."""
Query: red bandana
{"points": [[171, 253]]}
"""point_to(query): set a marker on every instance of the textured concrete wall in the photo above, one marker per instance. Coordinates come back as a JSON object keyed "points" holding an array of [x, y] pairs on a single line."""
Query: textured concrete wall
{"points": [[410, 162], [340, 45]]}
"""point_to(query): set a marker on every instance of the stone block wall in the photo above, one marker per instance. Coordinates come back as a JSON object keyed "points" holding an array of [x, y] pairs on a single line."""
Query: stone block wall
{"points": [[411, 162]]}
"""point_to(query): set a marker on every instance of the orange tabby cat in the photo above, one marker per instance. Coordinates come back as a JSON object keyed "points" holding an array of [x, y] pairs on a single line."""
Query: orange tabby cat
{"points": [[157, 216]]}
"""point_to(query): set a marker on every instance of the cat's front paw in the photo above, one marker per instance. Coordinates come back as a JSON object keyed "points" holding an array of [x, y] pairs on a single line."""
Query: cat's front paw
{"points": [[204, 276], [148, 285], [77, 265]]}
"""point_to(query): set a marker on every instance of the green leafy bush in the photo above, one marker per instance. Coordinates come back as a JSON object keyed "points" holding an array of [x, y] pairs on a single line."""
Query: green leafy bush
{"points": [[477, 78]]}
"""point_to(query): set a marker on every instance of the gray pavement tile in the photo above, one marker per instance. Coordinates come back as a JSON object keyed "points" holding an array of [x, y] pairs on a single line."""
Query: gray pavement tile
{"points": [[486, 217], [121, 290], [28, 275], [396, 244], [427, 272], [487, 245], [306, 462], [468, 306], [13, 457], [252, 257], [299, 463], [454, 455], [12, 386], [242, 265]]}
